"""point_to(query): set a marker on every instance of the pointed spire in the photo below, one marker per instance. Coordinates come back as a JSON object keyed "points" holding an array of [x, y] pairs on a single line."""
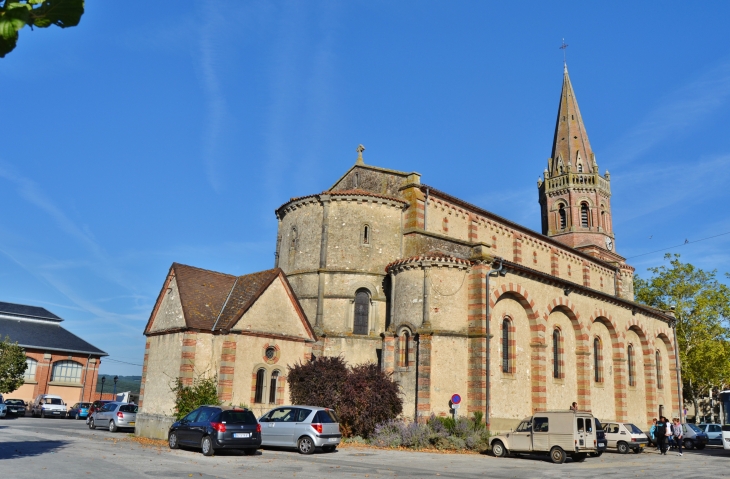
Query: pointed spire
{"points": [[571, 140]]}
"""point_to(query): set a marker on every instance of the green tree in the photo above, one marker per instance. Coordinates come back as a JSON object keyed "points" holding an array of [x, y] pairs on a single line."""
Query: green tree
{"points": [[16, 14], [702, 307], [204, 390], [12, 366]]}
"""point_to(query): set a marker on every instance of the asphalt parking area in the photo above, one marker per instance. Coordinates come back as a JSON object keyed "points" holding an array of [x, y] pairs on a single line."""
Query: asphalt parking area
{"points": [[64, 448]]}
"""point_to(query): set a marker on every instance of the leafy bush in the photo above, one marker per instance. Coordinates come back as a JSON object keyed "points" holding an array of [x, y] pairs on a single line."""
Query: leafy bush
{"points": [[363, 396], [188, 398]]}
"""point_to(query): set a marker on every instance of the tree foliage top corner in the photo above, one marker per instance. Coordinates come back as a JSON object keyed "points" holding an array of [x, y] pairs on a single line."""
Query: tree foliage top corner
{"points": [[16, 14]]}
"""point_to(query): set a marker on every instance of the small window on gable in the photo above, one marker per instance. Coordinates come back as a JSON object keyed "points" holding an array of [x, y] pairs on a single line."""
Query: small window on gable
{"points": [[366, 234], [580, 167], [356, 180]]}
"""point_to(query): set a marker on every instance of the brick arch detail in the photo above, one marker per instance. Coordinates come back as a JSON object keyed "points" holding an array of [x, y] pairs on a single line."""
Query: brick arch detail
{"points": [[662, 335], [619, 361], [582, 351], [538, 344], [650, 385]]}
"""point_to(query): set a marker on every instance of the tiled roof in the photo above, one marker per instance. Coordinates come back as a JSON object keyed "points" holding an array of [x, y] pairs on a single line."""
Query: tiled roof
{"points": [[204, 293], [27, 311], [430, 256], [47, 335], [345, 193]]}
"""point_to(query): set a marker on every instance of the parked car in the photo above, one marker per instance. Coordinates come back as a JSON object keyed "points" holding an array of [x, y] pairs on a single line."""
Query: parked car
{"points": [[726, 437], [713, 431], [94, 406], [79, 410], [48, 405], [302, 427], [217, 427], [624, 437], [3, 410], [557, 433], [115, 416], [694, 438], [16, 407]]}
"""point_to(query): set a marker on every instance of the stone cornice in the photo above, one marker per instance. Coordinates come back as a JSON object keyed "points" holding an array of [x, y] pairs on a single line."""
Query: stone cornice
{"points": [[358, 196], [425, 261]]}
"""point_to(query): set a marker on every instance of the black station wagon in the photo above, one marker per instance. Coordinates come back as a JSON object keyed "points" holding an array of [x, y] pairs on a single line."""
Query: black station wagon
{"points": [[217, 427]]}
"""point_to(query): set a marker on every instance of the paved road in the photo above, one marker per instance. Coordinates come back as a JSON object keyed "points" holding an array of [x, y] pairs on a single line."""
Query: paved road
{"points": [[57, 448]]}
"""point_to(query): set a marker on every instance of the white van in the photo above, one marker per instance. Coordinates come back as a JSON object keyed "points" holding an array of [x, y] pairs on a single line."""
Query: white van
{"points": [[48, 405], [726, 437], [557, 433], [624, 437]]}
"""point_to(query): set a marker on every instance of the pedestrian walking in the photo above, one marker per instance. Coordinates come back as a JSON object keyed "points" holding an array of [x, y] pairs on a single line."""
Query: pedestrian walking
{"points": [[678, 434], [652, 433], [661, 434]]}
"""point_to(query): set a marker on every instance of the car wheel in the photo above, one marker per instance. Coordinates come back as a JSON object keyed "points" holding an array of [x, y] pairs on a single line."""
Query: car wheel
{"points": [[207, 446], [596, 454], [305, 445], [622, 448], [328, 448], [249, 452], [498, 449], [91, 424], [557, 455], [689, 444], [172, 441], [579, 457], [700, 446], [113, 426]]}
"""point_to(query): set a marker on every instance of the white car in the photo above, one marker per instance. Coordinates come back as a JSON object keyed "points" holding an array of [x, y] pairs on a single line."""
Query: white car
{"points": [[48, 405], [713, 431], [624, 437], [726, 437]]}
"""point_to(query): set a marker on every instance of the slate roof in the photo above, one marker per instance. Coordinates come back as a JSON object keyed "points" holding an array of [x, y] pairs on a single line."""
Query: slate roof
{"points": [[204, 293], [37, 328], [27, 311]]}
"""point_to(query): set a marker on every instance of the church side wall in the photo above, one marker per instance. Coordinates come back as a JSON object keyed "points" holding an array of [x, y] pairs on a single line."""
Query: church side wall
{"points": [[448, 299], [563, 389], [449, 360], [301, 235]]}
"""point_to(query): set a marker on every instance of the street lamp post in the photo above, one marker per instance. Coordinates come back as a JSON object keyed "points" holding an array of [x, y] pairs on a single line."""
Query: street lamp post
{"points": [[116, 378], [103, 378]]}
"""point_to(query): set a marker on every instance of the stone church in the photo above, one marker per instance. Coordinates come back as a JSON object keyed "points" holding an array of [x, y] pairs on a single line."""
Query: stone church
{"points": [[450, 298]]}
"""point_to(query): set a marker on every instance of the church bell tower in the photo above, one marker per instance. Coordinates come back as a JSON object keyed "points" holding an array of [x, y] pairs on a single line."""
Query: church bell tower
{"points": [[575, 200]]}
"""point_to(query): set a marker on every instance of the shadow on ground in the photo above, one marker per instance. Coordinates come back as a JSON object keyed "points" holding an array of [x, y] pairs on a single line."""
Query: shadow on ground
{"points": [[12, 450]]}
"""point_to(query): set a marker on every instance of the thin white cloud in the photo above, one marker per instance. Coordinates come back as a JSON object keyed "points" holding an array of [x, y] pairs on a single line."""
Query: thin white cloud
{"points": [[681, 111]]}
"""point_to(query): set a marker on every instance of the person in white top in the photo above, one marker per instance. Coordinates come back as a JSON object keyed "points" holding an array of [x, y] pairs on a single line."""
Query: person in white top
{"points": [[677, 433]]}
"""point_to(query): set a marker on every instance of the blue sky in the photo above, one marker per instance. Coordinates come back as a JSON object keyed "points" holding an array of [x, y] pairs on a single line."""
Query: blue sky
{"points": [[148, 135]]}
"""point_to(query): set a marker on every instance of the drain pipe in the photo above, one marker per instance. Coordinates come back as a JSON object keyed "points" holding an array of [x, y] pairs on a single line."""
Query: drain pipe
{"points": [[496, 272]]}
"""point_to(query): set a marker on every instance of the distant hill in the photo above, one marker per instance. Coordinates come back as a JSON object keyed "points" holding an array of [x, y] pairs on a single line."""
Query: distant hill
{"points": [[125, 383]]}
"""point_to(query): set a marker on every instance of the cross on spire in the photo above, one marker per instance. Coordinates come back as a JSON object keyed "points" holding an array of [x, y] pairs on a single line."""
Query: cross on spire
{"points": [[563, 47], [359, 150]]}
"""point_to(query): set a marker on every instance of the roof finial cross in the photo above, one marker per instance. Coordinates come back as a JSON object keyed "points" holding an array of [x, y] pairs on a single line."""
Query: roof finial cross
{"points": [[359, 150], [563, 47]]}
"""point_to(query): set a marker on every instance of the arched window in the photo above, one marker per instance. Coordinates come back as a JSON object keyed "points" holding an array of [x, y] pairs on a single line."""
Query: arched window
{"points": [[66, 372], [356, 180], [362, 312], [632, 378], [584, 215], [366, 234], [260, 384], [31, 365], [506, 356], [659, 381], [403, 348], [557, 370], [273, 387], [597, 360], [563, 217]]}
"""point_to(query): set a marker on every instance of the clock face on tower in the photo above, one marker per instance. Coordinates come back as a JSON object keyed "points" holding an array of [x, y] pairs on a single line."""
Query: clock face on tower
{"points": [[609, 244]]}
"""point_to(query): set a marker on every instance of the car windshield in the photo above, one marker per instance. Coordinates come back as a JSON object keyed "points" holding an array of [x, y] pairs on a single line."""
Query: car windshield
{"points": [[693, 427], [15, 402], [128, 408], [53, 401], [85, 405], [633, 429], [238, 417]]}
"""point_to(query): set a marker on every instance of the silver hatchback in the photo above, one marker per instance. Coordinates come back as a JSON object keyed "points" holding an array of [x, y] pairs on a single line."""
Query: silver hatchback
{"points": [[114, 415], [302, 427]]}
